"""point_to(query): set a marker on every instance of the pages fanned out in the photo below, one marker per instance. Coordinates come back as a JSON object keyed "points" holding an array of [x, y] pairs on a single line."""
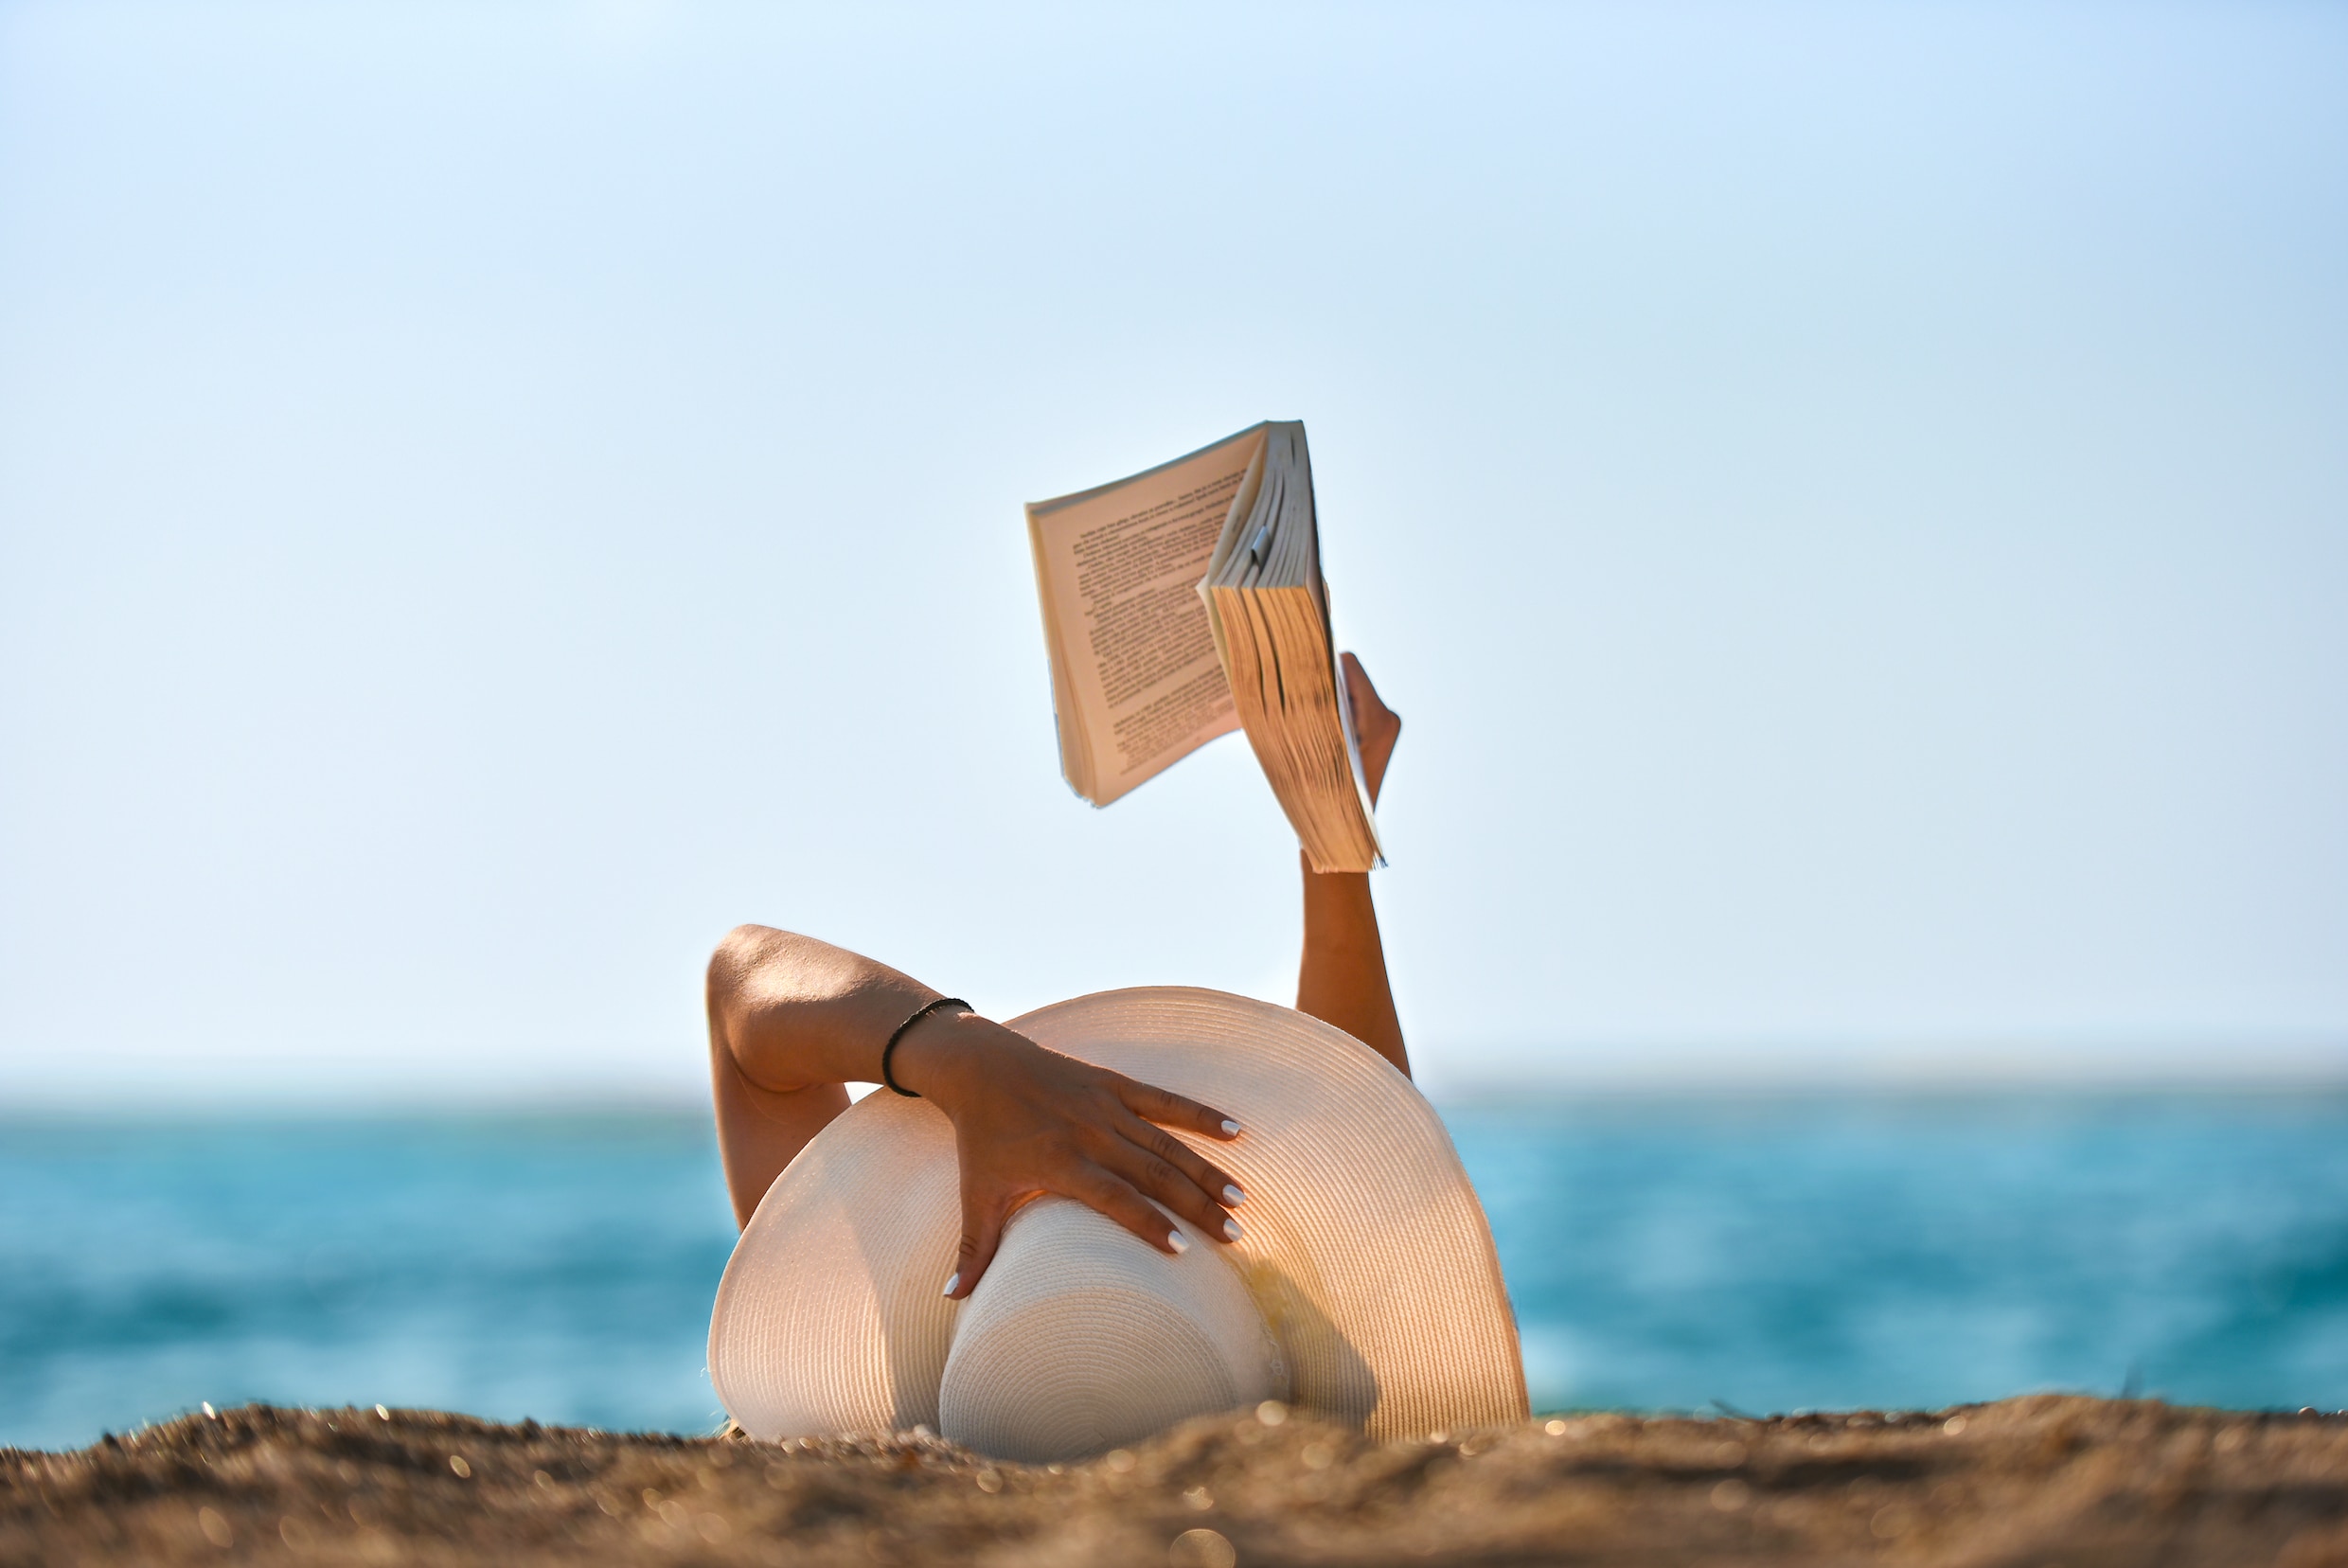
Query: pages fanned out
{"points": [[1270, 609], [1188, 601]]}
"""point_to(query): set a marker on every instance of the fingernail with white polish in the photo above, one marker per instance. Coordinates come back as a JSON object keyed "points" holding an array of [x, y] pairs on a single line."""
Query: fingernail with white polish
{"points": [[951, 1280], [1231, 1229], [1231, 1128], [1176, 1240], [1233, 1196]]}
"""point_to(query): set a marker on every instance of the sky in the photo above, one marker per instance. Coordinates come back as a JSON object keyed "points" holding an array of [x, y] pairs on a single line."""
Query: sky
{"points": [[1851, 502]]}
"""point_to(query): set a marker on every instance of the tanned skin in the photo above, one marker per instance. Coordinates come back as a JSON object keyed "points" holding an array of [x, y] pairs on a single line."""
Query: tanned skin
{"points": [[793, 1020]]}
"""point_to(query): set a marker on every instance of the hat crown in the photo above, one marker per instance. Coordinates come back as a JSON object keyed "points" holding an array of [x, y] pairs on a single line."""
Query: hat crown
{"points": [[1081, 1338]]}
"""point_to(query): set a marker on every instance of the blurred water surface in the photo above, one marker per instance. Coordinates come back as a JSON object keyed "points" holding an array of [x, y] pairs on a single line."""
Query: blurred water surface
{"points": [[555, 1267], [1765, 1254], [1783, 1255]]}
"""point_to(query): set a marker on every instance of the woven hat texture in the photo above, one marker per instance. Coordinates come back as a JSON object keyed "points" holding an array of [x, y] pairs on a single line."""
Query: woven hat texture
{"points": [[1374, 1290]]}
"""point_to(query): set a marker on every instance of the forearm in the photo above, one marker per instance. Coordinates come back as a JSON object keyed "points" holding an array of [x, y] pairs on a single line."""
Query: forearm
{"points": [[1343, 978], [790, 1021]]}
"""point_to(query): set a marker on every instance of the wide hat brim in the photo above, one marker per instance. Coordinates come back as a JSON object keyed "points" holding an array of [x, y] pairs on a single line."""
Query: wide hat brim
{"points": [[1365, 1249]]}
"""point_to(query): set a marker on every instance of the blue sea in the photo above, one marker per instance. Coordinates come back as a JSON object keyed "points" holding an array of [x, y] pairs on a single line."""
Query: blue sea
{"points": [[1758, 1254]]}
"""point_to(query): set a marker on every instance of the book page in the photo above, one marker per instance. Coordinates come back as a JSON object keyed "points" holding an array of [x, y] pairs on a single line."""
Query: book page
{"points": [[1134, 657]]}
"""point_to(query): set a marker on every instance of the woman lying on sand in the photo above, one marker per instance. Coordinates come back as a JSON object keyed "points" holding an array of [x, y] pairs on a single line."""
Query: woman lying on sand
{"points": [[1361, 1283]]}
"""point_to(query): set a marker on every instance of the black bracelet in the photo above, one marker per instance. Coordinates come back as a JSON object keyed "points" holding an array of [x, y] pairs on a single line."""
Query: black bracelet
{"points": [[890, 1049]]}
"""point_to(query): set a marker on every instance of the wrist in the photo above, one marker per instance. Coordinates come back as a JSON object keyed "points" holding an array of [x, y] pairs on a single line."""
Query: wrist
{"points": [[1324, 887], [936, 1056]]}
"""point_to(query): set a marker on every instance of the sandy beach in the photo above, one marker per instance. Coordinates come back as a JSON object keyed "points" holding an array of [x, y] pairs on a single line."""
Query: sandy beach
{"points": [[2042, 1480]]}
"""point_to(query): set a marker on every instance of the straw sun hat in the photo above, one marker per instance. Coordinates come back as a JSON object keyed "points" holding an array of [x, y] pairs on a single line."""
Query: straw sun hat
{"points": [[1365, 1289]]}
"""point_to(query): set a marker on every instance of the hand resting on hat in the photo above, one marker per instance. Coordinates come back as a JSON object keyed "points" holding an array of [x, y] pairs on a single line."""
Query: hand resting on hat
{"points": [[792, 1019]]}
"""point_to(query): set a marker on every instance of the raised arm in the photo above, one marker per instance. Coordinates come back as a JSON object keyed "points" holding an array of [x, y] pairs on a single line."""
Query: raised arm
{"points": [[1343, 978], [791, 1020]]}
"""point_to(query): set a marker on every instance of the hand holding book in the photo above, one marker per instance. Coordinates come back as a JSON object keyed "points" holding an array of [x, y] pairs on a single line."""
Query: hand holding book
{"points": [[1188, 600], [1375, 726], [1343, 978]]}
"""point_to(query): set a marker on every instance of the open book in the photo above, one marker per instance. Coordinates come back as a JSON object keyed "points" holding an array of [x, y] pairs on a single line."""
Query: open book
{"points": [[1188, 601]]}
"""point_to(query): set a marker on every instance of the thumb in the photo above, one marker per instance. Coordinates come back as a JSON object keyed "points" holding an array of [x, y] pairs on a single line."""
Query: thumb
{"points": [[981, 1230]]}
